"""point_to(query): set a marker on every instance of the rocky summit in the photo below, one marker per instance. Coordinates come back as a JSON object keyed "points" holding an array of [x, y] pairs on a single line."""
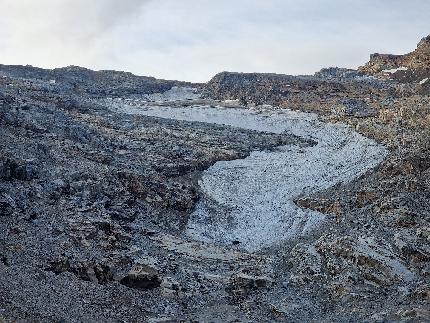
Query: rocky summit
{"points": [[250, 198]]}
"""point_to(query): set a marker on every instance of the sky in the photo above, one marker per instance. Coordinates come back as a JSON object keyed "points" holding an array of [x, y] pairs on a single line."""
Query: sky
{"points": [[192, 40]]}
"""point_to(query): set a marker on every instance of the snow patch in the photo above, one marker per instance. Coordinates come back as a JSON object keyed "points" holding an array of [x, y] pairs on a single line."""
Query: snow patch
{"points": [[394, 70], [424, 81]]}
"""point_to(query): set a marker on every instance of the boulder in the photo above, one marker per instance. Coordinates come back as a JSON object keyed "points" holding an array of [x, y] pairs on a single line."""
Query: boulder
{"points": [[11, 169], [242, 283], [142, 277]]}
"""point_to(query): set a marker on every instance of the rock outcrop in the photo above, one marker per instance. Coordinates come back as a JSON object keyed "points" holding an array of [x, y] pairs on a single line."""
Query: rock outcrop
{"points": [[419, 59], [329, 88], [412, 67]]}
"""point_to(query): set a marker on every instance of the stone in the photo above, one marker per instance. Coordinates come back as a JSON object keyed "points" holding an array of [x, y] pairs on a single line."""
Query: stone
{"points": [[242, 283], [170, 288], [11, 169], [142, 277], [7, 205], [321, 205], [376, 262]]}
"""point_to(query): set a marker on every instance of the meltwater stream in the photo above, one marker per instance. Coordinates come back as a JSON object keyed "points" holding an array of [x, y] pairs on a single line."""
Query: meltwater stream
{"points": [[250, 201]]}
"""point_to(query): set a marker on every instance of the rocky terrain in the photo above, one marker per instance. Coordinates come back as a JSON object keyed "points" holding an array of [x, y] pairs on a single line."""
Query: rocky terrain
{"points": [[82, 81], [101, 174]]}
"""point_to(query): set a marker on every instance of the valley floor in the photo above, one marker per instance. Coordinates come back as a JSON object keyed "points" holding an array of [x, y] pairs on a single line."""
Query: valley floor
{"points": [[155, 208]]}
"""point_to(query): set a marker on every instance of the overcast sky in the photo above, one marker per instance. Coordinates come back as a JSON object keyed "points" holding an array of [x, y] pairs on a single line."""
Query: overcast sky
{"points": [[194, 39]]}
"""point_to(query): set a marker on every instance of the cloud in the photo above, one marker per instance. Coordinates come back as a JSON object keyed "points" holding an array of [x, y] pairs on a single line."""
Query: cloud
{"points": [[58, 32], [79, 18], [194, 39]]}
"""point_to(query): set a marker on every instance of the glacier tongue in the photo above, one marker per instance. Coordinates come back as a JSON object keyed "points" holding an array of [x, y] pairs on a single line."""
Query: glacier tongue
{"points": [[251, 200]]}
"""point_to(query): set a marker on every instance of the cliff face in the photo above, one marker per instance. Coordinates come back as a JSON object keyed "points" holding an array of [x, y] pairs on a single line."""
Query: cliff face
{"points": [[251, 87], [420, 58], [380, 62], [408, 67]]}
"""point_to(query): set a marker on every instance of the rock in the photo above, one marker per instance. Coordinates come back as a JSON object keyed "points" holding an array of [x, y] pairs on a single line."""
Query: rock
{"points": [[243, 284], [321, 205], [347, 259], [306, 265], [422, 292], [20, 170], [424, 233], [142, 277], [7, 205], [412, 247], [412, 67], [365, 197], [163, 320], [170, 288], [379, 62], [338, 74], [84, 81], [415, 314], [87, 270], [328, 88], [376, 262], [355, 108]]}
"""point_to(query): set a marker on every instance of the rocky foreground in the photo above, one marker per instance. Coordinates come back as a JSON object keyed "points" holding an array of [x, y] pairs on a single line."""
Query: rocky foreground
{"points": [[94, 201]]}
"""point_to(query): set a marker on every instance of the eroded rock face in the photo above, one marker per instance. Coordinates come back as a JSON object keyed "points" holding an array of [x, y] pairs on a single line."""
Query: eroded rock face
{"points": [[416, 60], [412, 67], [380, 62]]}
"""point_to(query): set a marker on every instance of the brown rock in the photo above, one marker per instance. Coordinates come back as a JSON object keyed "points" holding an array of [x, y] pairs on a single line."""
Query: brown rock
{"points": [[321, 205], [243, 284]]}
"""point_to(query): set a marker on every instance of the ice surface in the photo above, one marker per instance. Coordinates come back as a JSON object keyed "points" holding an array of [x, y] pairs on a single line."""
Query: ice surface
{"points": [[251, 200]]}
